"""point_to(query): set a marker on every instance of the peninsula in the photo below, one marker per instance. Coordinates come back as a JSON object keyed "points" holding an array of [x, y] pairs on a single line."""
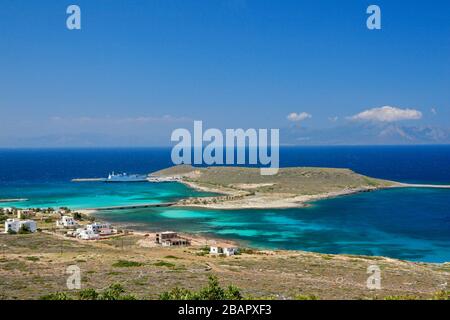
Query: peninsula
{"points": [[245, 188]]}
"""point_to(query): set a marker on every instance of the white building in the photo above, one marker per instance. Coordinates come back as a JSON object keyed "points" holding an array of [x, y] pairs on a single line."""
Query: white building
{"points": [[8, 210], [166, 235], [175, 242], [21, 214], [15, 225], [62, 211], [72, 233], [230, 251], [88, 235], [66, 222], [215, 250], [96, 227], [106, 231], [11, 225], [170, 238], [226, 250]]}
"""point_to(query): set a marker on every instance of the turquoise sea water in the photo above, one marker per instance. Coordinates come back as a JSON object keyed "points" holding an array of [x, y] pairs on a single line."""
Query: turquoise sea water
{"points": [[83, 195], [417, 227], [411, 224]]}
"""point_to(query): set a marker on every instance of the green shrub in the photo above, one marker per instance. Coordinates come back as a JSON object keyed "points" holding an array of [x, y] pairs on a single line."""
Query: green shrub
{"points": [[24, 230], [201, 253], [171, 257], [305, 297], [77, 216], [56, 296], [88, 294], [115, 292], [442, 295], [213, 291], [401, 298], [233, 293], [126, 264], [164, 264], [32, 258], [177, 294], [204, 249], [246, 250]]}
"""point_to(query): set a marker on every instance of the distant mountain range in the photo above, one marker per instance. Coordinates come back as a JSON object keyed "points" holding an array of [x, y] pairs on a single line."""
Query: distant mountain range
{"points": [[365, 133], [351, 133]]}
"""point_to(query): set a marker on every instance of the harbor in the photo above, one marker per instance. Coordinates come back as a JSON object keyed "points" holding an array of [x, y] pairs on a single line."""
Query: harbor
{"points": [[124, 177]]}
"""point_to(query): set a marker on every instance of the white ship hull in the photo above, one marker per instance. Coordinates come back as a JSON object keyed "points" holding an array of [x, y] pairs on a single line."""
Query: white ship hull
{"points": [[123, 177]]}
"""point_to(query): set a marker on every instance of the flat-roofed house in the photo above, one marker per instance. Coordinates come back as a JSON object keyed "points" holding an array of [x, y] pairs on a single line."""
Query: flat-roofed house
{"points": [[175, 242], [170, 238], [88, 235], [162, 236], [11, 225], [66, 222], [96, 227], [106, 231], [215, 250], [15, 225], [25, 213], [230, 250], [227, 250]]}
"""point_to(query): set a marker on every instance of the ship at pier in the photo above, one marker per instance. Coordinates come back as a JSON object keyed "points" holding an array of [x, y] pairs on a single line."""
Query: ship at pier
{"points": [[124, 177]]}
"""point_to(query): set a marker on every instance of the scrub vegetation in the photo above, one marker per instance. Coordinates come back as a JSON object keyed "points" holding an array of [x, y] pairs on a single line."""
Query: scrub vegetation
{"points": [[33, 266]]}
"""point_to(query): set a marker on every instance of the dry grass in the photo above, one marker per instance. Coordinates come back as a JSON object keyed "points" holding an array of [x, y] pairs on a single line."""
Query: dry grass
{"points": [[34, 265]]}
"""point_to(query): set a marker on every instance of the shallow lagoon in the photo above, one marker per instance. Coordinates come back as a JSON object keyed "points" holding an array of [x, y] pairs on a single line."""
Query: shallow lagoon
{"points": [[94, 194], [410, 224]]}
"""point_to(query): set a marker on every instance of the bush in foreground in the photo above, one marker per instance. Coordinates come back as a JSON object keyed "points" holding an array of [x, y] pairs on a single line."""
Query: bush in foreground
{"points": [[213, 291], [56, 296], [113, 292]]}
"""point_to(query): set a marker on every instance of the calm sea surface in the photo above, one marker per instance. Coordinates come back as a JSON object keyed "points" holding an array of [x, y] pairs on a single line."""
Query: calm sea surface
{"points": [[411, 224]]}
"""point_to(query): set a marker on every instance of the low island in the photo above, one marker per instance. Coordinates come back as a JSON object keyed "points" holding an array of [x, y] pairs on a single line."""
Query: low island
{"points": [[245, 188]]}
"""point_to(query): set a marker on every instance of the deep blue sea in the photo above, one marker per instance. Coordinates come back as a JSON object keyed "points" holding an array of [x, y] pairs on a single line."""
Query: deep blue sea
{"points": [[410, 224]]}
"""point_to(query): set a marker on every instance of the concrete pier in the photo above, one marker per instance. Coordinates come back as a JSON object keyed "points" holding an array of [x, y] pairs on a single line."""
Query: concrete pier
{"points": [[135, 206]]}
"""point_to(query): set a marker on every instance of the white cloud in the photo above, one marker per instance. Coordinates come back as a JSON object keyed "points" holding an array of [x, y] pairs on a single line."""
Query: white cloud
{"points": [[333, 119], [295, 117], [433, 111], [388, 114]]}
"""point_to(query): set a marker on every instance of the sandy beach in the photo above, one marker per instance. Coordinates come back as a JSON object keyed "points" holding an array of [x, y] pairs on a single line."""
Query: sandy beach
{"points": [[239, 199]]}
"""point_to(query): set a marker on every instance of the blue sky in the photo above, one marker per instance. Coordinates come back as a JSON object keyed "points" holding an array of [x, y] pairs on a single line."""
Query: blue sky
{"points": [[138, 69]]}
